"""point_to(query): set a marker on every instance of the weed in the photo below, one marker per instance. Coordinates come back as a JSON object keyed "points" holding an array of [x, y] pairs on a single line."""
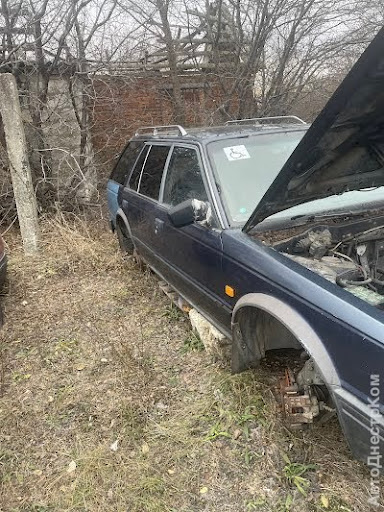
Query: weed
{"points": [[245, 419], [192, 342], [173, 381], [63, 345], [285, 505], [215, 431], [151, 485], [173, 313], [250, 456], [256, 504], [332, 504], [120, 294], [18, 377], [293, 473]]}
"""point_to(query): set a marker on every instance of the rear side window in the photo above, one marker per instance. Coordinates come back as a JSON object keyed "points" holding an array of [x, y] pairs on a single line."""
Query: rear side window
{"points": [[184, 180], [136, 173], [126, 161], [153, 170]]}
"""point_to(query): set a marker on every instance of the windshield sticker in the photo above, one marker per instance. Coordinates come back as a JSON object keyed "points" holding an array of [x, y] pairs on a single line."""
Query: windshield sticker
{"points": [[236, 153]]}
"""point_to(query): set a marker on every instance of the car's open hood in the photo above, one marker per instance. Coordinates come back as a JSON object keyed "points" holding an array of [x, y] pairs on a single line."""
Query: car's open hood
{"points": [[343, 149]]}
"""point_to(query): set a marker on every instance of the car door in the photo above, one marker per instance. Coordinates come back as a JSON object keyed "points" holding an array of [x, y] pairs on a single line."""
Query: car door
{"points": [[191, 255], [140, 200], [119, 175]]}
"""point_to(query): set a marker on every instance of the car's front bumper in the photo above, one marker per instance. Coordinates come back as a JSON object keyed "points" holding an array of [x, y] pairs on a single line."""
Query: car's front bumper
{"points": [[363, 426]]}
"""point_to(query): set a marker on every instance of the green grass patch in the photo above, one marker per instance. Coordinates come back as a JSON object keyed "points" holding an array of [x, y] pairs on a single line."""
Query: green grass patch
{"points": [[192, 343]]}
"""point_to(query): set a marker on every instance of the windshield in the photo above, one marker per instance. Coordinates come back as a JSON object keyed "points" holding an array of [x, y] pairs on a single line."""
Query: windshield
{"points": [[245, 168]]}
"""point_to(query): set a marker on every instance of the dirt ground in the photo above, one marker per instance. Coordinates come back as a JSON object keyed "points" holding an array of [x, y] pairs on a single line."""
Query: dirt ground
{"points": [[109, 403]]}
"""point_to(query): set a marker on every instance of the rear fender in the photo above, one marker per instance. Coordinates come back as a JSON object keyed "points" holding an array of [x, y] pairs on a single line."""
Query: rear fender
{"points": [[121, 215]]}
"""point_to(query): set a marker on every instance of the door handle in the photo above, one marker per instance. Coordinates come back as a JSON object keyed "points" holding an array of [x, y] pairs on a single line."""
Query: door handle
{"points": [[159, 224]]}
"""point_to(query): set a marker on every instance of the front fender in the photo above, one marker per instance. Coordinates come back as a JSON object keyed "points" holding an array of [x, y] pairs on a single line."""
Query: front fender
{"points": [[296, 325]]}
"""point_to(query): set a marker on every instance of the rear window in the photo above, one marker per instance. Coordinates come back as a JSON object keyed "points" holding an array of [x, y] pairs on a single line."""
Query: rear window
{"points": [[126, 161], [153, 171]]}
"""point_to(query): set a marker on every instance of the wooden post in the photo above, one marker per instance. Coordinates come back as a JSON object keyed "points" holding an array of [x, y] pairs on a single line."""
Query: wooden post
{"points": [[23, 191]]}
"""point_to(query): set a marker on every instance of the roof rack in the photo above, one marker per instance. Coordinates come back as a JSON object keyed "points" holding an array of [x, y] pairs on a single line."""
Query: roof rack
{"points": [[154, 130], [261, 120]]}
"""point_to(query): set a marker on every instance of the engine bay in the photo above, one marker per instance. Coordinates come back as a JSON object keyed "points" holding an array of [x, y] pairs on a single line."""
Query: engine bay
{"points": [[348, 253]]}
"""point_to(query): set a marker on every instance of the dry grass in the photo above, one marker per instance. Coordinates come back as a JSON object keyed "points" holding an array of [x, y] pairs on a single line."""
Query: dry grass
{"points": [[104, 409]]}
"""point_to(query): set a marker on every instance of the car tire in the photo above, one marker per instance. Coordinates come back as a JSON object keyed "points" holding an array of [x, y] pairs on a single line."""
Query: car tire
{"points": [[125, 242]]}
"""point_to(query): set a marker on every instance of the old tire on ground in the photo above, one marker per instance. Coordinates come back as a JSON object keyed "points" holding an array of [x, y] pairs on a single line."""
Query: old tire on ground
{"points": [[125, 242]]}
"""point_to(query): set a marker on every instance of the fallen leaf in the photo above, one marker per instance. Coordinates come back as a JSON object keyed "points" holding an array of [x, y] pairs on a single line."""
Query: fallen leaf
{"points": [[144, 449], [204, 490], [114, 446], [236, 433], [324, 501], [71, 466]]}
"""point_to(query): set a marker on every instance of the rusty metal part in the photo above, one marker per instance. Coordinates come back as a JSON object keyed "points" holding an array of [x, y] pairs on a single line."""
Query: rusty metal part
{"points": [[176, 299], [300, 406]]}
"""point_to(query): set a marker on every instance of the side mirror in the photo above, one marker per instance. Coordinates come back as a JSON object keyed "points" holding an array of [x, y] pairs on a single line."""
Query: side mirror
{"points": [[188, 212]]}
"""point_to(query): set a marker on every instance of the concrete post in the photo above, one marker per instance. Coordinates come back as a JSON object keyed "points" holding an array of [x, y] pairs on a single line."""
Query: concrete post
{"points": [[24, 193]]}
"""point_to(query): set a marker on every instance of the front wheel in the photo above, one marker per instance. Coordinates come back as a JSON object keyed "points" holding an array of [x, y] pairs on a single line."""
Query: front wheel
{"points": [[125, 242]]}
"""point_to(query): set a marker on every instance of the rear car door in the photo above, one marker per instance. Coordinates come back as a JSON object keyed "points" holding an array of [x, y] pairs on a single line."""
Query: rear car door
{"points": [[119, 175], [140, 199], [191, 256]]}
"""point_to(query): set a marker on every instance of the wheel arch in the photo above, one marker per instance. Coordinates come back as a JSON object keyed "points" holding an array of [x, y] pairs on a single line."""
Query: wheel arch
{"points": [[121, 217], [293, 321]]}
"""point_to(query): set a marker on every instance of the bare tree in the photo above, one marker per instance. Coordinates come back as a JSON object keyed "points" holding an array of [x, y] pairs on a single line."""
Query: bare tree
{"points": [[18, 162], [279, 46], [155, 16], [43, 40], [265, 49]]}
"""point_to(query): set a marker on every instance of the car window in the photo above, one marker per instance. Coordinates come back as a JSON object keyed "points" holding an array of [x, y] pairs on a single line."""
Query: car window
{"points": [[245, 168], [126, 161], [136, 173], [184, 179], [153, 171]]}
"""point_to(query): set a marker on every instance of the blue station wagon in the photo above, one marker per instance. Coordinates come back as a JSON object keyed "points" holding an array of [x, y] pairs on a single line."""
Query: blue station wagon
{"points": [[274, 231]]}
